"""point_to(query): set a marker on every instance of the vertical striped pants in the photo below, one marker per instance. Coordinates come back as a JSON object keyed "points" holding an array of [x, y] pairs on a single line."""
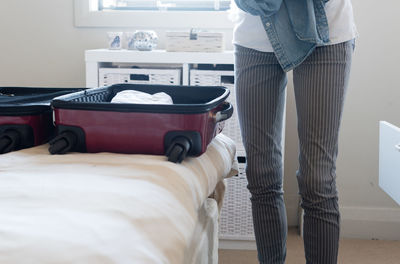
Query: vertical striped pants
{"points": [[320, 84]]}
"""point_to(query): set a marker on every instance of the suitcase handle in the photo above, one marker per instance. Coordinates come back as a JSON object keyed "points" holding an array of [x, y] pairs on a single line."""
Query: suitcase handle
{"points": [[225, 113]]}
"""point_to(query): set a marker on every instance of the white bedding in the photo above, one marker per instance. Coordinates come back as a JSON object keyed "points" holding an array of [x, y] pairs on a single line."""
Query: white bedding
{"points": [[105, 208]]}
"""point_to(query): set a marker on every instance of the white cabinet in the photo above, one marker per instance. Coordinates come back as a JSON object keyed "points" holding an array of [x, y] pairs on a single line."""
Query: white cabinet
{"points": [[389, 160], [96, 59]]}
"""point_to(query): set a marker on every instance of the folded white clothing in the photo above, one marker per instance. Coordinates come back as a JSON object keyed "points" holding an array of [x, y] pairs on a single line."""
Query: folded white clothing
{"points": [[137, 97]]}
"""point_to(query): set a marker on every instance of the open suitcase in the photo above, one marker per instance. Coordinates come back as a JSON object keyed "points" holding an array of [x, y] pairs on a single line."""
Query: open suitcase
{"points": [[87, 122], [25, 116]]}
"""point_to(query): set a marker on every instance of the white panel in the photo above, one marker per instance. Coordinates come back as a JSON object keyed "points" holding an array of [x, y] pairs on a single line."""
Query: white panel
{"points": [[389, 160]]}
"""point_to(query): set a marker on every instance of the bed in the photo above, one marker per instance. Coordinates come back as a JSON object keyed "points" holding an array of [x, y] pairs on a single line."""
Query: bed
{"points": [[111, 208]]}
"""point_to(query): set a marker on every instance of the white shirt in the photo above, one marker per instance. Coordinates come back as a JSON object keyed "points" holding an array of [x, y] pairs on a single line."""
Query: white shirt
{"points": [[250, 33]]}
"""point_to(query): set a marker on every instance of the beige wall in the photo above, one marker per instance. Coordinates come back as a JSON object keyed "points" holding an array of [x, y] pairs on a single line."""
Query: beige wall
{"points": [[41, 47], [373, 95]]}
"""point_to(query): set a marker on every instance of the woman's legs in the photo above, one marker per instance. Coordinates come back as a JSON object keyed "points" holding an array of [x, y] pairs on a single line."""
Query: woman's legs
{"points": [[260, 91], [320, 84]]}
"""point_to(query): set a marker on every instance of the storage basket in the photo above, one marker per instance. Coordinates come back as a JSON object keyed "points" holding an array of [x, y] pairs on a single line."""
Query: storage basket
{"points": [[110, 76], [226, 79], [236, 222], [194, 42]]}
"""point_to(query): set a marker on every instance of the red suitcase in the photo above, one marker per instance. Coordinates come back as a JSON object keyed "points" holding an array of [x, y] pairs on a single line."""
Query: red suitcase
{"points": [[87, 122], [25, 116]]}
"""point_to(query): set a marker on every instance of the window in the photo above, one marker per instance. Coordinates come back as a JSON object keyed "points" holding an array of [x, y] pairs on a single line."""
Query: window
{"points": [[179, 5], [153, 14]]}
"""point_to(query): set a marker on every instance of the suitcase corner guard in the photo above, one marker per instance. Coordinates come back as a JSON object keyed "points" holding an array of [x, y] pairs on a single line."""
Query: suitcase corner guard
{"points": [[15, 137], [179, 144], [68, 139]]}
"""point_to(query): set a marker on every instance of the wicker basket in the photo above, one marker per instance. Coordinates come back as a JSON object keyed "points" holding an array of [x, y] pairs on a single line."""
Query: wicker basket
{"points": [[109, 76], [194, 42], [236, 222], [221, 78]]}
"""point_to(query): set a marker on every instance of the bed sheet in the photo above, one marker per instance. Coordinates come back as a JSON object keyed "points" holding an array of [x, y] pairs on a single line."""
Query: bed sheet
{"points": [[104, 207]]}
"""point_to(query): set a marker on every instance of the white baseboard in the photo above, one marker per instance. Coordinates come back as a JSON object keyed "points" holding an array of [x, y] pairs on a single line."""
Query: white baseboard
{"points": [[356, 222], [237, 244], [368, 223]]}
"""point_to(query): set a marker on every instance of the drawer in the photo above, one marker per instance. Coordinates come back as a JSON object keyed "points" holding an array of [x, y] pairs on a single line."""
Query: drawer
{"points": [[389, 159]]}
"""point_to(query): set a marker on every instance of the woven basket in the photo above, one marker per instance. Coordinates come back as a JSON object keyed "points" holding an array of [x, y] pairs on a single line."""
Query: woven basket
{"points": [[236, 222], [219, 78], [109, 76], [194, 42]]}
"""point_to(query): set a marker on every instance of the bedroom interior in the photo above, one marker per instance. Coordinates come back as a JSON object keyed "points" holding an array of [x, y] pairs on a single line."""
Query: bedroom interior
{"points": [[122, 206]]}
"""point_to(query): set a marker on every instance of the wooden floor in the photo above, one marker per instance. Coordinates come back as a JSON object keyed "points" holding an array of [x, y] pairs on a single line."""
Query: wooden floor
{"points": [[351, 251]]}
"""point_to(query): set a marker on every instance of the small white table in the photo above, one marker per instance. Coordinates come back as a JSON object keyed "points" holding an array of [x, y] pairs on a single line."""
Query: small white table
{"points": [[389, 160]]}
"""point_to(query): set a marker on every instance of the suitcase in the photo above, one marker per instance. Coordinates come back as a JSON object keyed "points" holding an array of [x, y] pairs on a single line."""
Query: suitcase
{"points": [[87, 122], [25, 116]]}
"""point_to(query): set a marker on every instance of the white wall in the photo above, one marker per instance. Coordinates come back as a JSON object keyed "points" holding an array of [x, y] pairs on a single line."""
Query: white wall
{"points": [[41, 47], [373, 95]]}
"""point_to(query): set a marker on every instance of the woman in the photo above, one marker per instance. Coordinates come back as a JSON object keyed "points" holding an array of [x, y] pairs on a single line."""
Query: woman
{"points": [[315, 39]]}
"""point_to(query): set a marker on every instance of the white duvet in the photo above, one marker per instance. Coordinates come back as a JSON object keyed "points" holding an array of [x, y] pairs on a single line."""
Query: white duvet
{"points": [[104, 208]]}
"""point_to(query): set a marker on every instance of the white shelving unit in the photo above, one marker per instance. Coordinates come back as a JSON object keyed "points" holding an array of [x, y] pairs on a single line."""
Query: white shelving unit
{"points": [[95, 59], [235, 223]]}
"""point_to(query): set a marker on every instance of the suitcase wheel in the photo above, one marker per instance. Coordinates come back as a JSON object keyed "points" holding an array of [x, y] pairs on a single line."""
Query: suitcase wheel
{"points": [[9, 141], [63, 143], [178, 149]]}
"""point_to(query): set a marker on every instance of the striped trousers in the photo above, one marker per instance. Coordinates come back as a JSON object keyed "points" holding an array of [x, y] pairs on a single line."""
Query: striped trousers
{"points": [[320, 84]]}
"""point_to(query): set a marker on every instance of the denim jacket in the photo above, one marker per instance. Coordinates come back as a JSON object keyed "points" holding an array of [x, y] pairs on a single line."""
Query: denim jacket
{"points": [[294, 27]]}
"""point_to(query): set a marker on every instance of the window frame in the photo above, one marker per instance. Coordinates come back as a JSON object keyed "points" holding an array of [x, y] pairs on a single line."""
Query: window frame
{"points": [[87, 15]]}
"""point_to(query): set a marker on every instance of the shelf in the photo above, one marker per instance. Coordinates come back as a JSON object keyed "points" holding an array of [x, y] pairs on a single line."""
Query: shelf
{"points": [[158, 56]]}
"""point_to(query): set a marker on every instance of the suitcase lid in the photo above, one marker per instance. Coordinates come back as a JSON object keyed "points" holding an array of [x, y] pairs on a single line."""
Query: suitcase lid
{"points": [[17, 101]]}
